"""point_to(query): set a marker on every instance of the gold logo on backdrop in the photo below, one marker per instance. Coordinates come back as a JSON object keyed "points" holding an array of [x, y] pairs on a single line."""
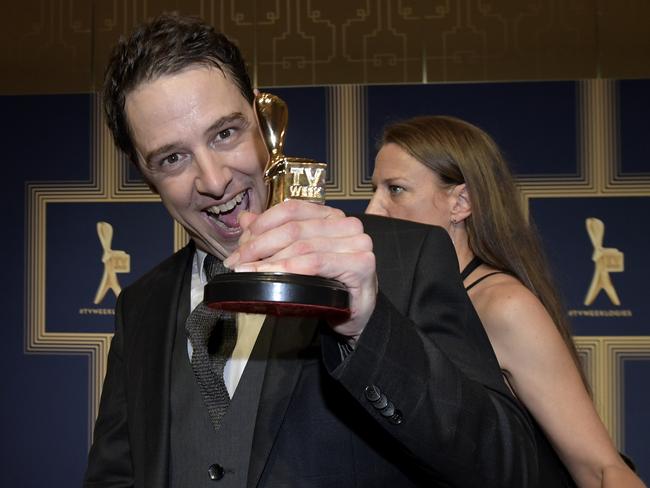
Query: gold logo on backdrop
{"points": [[114, 262], [606, 260]]}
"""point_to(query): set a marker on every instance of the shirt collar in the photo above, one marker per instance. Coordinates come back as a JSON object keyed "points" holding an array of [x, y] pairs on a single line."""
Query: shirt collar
{"points": [[199, 258]]}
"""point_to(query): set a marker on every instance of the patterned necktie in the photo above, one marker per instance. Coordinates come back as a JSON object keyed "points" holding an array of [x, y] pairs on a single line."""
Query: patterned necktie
{"points": [[213, 334]]}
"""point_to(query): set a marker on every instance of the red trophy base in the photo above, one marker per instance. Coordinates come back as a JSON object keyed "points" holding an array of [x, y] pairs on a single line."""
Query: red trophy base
{"points": [[280, 294]]}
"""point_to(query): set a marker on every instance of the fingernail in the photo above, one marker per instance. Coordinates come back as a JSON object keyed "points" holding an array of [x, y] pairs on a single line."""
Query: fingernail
{"points": [[246, 235], [230, 260], [244, 268]]}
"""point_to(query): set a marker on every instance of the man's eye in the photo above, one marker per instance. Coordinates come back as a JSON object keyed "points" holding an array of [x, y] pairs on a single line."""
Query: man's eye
{"points": [[171, 159], [395, 189]]}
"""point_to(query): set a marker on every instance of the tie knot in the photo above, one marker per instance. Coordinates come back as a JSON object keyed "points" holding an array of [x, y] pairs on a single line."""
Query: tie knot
{"points": [[213, 266]]}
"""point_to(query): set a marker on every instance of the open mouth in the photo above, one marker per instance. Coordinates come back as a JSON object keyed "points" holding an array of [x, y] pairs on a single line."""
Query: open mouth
{"points": [[226, 214]]}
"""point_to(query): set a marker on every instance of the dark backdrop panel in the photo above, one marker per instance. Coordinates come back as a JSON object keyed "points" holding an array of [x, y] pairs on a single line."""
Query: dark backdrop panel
{"points": [[306, 135], [561, 222], [634, 109], [636, 372], [74, 266], [45, 408], [533, 123]]}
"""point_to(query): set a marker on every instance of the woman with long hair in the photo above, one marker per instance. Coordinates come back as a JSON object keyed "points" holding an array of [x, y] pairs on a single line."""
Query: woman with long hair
{"points": [[444, 171]]}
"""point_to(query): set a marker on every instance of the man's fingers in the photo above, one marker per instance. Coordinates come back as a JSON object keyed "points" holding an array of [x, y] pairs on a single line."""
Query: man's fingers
{"points": [[358, 243], [352, 269], [292, 210], [302, 237]]}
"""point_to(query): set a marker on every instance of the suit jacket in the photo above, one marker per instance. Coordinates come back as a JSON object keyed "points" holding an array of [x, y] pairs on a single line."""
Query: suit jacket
{"points": [[413, 405]]}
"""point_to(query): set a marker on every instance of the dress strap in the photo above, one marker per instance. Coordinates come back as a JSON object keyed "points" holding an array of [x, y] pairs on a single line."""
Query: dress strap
{"points": [[474, 283], [471, 266]]}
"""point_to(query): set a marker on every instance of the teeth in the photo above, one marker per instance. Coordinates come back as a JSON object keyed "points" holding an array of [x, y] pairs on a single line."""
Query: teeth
{"points": [[228, 206]]}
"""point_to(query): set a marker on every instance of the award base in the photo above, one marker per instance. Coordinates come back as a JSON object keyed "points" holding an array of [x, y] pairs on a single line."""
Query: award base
{"points": [[279, 294]]}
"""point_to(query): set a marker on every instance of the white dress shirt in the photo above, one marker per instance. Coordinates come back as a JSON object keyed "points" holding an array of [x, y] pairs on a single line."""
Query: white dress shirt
{"points": [[248, 328]]}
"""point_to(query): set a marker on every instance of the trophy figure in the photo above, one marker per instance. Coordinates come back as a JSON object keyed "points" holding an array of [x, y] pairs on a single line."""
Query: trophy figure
{"points": [[114, 262], [606, 260], [282, 294]]}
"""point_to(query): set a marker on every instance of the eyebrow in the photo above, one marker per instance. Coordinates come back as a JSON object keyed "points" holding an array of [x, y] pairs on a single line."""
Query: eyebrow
{"points": [[393, 179], [218, 125]]}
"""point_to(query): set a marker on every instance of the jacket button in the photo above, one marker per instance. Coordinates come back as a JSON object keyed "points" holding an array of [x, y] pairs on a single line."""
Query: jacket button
{"points": [[396, 419], [215, 472], [381, 403], [388, 410], [372, 393]]}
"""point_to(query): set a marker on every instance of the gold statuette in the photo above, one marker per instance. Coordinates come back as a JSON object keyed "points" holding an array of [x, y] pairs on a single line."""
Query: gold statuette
{"points": [[606, 260], [114, 262], [286, 177]]}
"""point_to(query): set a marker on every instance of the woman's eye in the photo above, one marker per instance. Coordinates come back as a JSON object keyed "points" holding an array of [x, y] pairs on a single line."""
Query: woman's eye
{"points": [[395, 189], [224, 134]]}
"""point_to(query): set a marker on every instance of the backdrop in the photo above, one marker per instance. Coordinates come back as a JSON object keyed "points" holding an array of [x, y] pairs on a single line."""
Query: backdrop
{"points": [[580, 151]]}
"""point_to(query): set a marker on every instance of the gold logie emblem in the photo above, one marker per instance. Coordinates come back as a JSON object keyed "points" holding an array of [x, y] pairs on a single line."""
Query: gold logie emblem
{"points": [[114, 262], [606, 260]]}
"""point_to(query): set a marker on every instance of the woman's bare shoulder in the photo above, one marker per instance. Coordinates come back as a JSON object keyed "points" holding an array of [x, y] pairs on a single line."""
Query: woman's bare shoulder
{"points": [[518, 325], [502, 301]]}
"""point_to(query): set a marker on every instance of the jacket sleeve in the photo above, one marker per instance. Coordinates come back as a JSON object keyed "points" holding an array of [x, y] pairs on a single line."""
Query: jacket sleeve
{"points": [[109, 460], [435, 387]]}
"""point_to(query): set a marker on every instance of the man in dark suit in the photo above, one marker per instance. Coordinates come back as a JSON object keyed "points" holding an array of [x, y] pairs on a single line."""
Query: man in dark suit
{"points": [[374, 401]]}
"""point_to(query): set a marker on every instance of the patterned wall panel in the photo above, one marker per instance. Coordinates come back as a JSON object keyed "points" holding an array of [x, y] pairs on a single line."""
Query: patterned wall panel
{"points": [[46, 47], [113, 19], [61, 46], [624, 36], [617, 368], [47, 396], [635, 422], [294, 42], [86, 239]]}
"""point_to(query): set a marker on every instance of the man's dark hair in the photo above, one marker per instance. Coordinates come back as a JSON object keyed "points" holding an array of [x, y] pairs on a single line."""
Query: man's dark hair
{"points": [[166, 45]]}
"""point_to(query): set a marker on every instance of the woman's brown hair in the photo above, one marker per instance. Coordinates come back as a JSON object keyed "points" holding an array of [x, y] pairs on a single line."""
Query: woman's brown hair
{"points": [[499, 233]]}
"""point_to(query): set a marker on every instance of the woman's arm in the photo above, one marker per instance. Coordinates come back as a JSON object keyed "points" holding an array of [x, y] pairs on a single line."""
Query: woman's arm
{"points": [[544, 377]]}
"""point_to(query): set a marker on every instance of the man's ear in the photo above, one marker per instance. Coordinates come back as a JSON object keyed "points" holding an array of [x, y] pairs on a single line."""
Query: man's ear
{"points": [[461, 204]]}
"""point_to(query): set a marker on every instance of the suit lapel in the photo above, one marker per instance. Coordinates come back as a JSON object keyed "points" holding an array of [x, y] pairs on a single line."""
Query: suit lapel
{"points": [[167, 307], [290, 337], [155, 343]]}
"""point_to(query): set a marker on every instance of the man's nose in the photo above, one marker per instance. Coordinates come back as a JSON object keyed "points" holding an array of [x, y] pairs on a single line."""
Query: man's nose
{"points": [[213, 174], [375, 207]]}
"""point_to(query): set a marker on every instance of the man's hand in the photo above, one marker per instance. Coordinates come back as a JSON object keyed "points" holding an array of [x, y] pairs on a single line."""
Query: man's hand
{"points": [[310, 239]]}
